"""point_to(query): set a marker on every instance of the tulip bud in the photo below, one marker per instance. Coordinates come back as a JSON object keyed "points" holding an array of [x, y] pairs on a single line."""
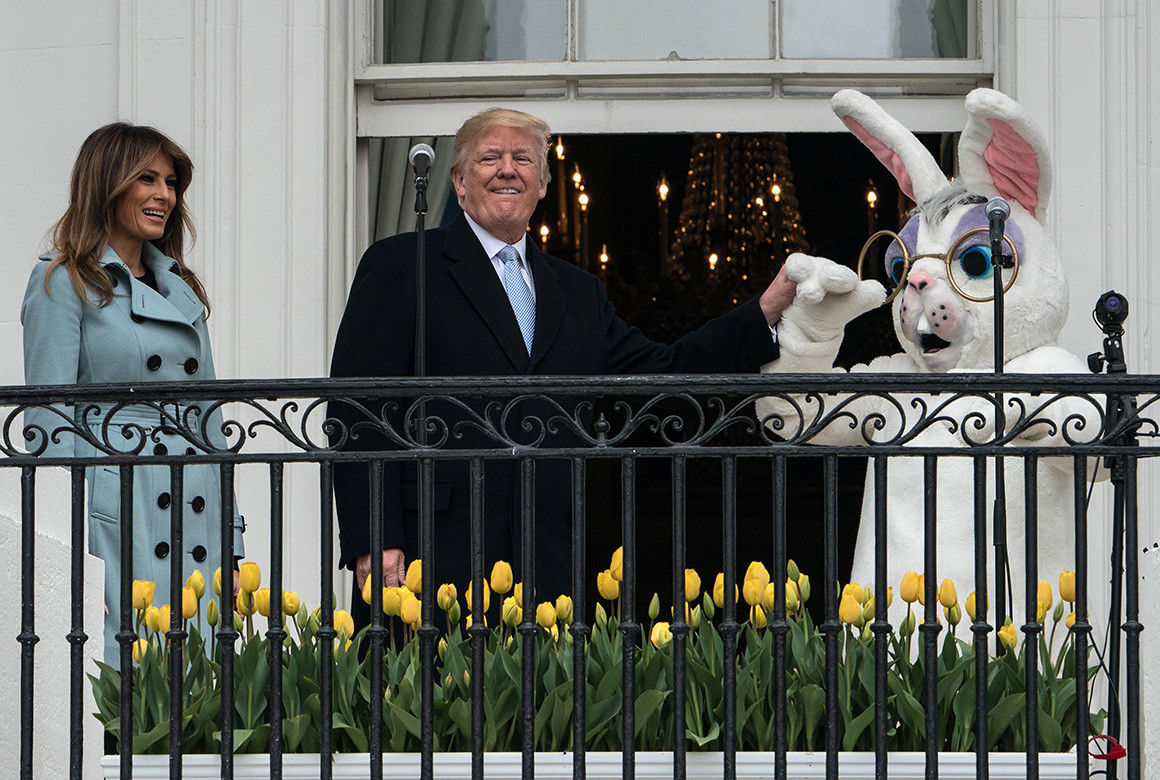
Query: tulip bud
{"points": [[188, 603], [140, 648], [692, 585], [501, 578], [239, 623], [303, 616], [607, 585], [601, 616], [511, 612], [889, 596], [245, 603], [414, 580], [922, 589], [262, 601], [217, 582], [211, 614], [197, 582], [288, 642], [804, 587], [768, 596], [166, 618], [1067, 586], [719, 590], [466, 678], [1070, 623], [1058, 614], [470, 597], [142, 593], [756, 578], [467, 623], [392, 601], [314, 624], [554, 630], [545, 614], [409, 609], [868, 610], [1007, 636], [1044, 596], [343, 624], [654, 607], [1040, 612], [757, 616], [454, 613], [249, 576], [447, 595], [518, 593], [954, 614], [367, 593], [970, 606], [442, 650], [695, 618], [791, 596], [947, 595], [616, 568], [866, 633], [290, 603], [791, 569], [152, 618], [849, 610], [855, 591], [909, 589], [908, 623], [564, 609], [661, 635], [707, 604]]}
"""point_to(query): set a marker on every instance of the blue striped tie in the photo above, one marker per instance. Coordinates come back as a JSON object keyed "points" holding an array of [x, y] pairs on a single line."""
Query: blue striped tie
{"points": [[519, 294]]}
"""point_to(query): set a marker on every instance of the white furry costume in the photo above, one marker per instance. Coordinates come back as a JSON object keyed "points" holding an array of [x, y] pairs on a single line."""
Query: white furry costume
{"points": [[1001, 153]]}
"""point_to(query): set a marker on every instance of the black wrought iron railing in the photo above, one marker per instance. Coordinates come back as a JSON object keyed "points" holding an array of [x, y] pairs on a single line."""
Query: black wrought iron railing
{"points": [[585, 422]]}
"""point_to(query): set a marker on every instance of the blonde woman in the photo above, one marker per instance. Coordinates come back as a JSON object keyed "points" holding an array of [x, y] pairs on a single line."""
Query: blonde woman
{"points": [[114, 302]]}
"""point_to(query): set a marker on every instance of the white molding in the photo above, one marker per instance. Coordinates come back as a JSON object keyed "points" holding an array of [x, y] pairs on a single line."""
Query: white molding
{"points": [[127, 59]]}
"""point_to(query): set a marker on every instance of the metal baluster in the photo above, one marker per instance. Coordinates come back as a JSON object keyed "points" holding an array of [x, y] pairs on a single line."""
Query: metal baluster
{"points": [[77, 635], [28, 637], [478, 631], [1031, 629], [375, 631], [1132, 625], [325, 633], [831, 627], [729, 625], [930, 626], [1081, 628], [780, 626], [126, 634], [680, 627], [629, 629], [227, 635], [528, 628], [276, 633], [881, 624], [980, 627], [580, 629], [176, 634]]}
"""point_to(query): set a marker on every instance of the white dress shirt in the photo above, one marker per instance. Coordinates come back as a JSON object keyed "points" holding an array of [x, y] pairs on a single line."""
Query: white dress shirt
{"points": [[492, 245]]}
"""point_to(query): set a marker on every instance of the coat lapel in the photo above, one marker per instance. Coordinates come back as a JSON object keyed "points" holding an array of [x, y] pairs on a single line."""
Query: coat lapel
{"points": [[172, 301], [473, 272], [551, 303]]}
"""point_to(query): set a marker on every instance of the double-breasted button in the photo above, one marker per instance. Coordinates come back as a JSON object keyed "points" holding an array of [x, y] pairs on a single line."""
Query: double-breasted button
{"points": [[164, 500], [161, 550], [160, 449], [153, 363], [199, 554], [137, 318], [191, 366], [198, 503]]}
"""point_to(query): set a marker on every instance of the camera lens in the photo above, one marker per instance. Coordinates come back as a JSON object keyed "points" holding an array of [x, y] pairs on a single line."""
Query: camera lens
{"points": [[1111, 310], [1113, 304]]}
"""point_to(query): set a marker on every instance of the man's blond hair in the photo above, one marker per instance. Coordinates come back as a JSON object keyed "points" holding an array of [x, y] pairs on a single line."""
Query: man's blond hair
{"points": [[476, 126]]}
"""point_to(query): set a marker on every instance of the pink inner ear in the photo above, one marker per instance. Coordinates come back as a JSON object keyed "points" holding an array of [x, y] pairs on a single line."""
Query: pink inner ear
{"points": [[885, 155], [1013, 166]]}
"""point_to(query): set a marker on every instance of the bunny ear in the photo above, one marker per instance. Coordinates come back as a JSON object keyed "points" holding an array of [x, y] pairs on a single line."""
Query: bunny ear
{"points": [[1002, 152], [895, 147]]}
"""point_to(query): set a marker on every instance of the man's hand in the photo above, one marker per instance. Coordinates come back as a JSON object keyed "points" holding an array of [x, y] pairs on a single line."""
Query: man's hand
{"points": [[777, 297], [394, 573]]}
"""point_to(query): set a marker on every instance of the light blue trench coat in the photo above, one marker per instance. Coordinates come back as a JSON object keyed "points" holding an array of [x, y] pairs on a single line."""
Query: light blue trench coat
{"points": [[143, 335]]}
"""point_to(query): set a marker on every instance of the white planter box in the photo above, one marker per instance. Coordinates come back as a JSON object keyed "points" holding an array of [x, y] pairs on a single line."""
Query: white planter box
{"points": [[553, 766]]}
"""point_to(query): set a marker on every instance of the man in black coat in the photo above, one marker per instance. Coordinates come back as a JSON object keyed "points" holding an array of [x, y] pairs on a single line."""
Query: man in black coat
{"points": [[496, 306]]}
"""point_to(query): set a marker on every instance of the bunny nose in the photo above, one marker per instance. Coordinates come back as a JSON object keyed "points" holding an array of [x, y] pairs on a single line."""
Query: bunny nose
{"points": [[920, 280]]}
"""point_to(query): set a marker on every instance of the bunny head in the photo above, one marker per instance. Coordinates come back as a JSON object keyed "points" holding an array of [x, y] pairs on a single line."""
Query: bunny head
{"points": [[942, 316]]}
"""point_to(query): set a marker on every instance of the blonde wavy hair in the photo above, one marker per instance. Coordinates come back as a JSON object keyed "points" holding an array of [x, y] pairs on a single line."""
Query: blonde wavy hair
{"points": [[108, 163], [477, 125]]}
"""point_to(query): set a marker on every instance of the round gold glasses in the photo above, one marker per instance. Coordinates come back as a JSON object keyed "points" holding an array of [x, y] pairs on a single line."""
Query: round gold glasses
{"points": [[885, 259]]}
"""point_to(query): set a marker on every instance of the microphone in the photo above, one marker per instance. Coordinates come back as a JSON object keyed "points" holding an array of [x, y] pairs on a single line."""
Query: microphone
{"points": [[421, 157], [998, 210]]}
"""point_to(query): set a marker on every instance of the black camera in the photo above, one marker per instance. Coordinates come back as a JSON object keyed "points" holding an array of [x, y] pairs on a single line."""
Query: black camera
{"points": [[1111, 310]]}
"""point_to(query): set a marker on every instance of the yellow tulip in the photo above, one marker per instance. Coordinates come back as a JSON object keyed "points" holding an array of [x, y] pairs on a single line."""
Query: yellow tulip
{"points": [[555, 632], [695, 619], [616, 567], [757, 616], [1007, 636], [211, 614], [447, 595], [868, 610], [501, 578], [518, 593], [140, 647], [545, 614], [922, 589], [467, 622], [692, 585], [249, 577], [414, 579], [719, 590], [756, 578], [855, 590], [410, 610], [152, 618], [166, 617], [804, 587], [471, 599], [393, 600], [217, 581], [188, 602], [791, 597], [1070, 622], [947, 595], [970, 605], [564, 609], [909, 588], [889, 595], [1067, 586], [768, 596], [142, 593], [197, 582], [512, 614], [660, 635], [343, 624], [290, 603], [607, 585], [792, 571], [1044, 595], [262, 601], [367, 593], [245, 603], [1040, 612], [850, 609]]}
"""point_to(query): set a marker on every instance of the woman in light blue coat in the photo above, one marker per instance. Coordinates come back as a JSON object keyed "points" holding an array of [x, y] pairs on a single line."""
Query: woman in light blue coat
{"points": [[115, 302]]}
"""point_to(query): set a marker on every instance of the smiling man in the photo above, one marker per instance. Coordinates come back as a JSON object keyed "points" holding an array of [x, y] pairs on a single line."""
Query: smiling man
{"points": [[496, 306]]}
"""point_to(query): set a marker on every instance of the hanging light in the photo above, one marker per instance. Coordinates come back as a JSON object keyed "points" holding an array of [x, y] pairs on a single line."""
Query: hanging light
{"points": [[713, 262], [583, 201], [603, 255], [559, 148]]}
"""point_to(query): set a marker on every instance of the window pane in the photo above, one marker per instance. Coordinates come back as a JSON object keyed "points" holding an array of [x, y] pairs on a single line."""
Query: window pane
{"points": [[688, 29], [876, 29], [473, 30]]}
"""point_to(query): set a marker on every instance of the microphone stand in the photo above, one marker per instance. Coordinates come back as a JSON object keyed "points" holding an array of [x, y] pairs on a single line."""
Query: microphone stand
{"points": [[996, 219]]}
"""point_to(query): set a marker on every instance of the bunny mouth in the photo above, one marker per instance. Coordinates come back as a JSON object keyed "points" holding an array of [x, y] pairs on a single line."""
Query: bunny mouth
{"points": [[931, 343]]}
